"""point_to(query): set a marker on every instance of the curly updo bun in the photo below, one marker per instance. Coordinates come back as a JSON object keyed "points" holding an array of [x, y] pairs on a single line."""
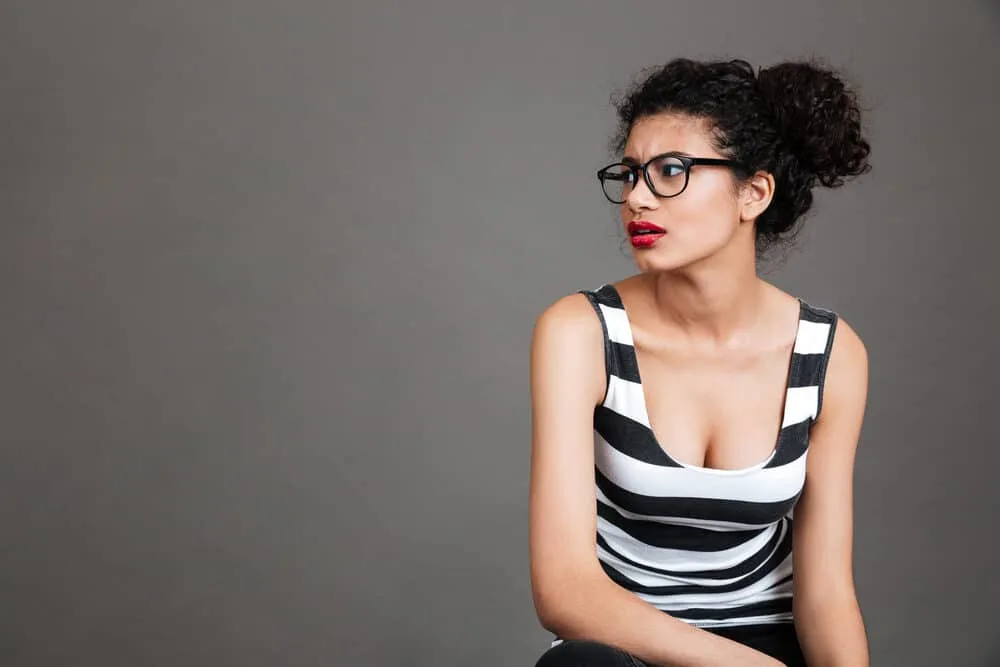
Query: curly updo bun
{"points": [[798, 121]]}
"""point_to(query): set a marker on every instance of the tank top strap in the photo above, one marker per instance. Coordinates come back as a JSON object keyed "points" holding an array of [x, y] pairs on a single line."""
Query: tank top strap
{"points": [[811, 354], [619, 350]]}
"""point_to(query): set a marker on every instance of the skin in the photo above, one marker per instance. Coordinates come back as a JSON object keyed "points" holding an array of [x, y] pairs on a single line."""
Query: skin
{"points": [[713, 341]]}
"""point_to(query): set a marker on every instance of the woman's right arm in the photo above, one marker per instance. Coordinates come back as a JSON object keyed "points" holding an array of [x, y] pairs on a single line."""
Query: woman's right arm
{"points": [[573, 596]]}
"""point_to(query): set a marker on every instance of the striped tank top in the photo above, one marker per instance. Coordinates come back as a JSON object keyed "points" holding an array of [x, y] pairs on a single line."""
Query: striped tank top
{"points": [[708, 546]]}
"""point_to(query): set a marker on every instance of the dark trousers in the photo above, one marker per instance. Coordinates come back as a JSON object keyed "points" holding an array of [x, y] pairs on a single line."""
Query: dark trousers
{"points": [[777, 640]]}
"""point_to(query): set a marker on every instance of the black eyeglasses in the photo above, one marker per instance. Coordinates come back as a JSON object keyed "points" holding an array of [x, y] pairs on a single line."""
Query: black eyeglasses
{"points": [[666, 175]]}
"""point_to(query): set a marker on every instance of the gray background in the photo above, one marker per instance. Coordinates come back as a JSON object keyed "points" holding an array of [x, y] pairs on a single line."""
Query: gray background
{"points": [[268, 273]]}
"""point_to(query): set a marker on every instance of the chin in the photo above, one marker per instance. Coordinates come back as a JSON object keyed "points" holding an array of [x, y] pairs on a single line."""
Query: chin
{"points": [[646, 263], [666, 259], [651, 260]]}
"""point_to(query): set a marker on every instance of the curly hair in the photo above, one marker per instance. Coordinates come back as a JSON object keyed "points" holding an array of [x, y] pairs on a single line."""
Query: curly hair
{"points": [[797, 121]]}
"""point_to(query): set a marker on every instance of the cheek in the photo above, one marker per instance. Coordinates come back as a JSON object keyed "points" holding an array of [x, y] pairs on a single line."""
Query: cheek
{"points": [[719, 195], [713, 192], [706, 208], [707, 218]]}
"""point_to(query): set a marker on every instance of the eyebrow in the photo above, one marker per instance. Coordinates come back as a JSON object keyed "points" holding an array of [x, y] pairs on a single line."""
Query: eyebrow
{"points": [[628, 159]]}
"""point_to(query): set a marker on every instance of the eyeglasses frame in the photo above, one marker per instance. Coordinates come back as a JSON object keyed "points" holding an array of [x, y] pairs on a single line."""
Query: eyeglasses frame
{"points": [[687, 160]]}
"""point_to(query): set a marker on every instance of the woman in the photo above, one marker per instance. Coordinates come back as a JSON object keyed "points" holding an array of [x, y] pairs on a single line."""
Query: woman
{"points": [[682, 402]]}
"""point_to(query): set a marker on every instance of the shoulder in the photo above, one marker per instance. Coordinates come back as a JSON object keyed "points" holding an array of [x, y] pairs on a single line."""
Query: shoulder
{"points": [[843, 342], [568, 352], [848, 354], [568, 320], [846, 385]]}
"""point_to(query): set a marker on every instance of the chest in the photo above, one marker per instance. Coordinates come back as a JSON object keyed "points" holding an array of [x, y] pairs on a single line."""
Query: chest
{"points": [[717, 410]]}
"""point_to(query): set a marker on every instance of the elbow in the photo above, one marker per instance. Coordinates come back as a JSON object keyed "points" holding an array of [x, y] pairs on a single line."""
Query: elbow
{"points": [[549, 616], [553, 609], [834, 612], [816, 601], [559, 602]]}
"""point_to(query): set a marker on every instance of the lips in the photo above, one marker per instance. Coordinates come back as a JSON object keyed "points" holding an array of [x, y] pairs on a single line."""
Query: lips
{"points": [[644, 233]]}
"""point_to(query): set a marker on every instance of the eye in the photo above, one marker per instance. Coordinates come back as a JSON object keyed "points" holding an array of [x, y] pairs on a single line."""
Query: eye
{"points": [[671, 167]]}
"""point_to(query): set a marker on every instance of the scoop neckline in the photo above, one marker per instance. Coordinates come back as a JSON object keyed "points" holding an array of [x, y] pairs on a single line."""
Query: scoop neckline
{"points": [[705, 469]]}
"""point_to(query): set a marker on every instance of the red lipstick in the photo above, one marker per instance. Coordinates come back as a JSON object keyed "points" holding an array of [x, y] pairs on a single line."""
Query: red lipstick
{"points": [[644, 233]]}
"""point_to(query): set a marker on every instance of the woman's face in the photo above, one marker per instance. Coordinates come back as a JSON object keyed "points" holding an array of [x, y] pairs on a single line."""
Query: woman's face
{"points": [[697, 223]]}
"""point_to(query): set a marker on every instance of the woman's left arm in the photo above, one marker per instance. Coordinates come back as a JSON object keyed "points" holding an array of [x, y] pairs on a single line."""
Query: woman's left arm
{"points": [[827, 615]]}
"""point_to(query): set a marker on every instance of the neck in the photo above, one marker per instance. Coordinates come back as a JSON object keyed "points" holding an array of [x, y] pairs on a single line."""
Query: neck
{"points": [[718, 303]]}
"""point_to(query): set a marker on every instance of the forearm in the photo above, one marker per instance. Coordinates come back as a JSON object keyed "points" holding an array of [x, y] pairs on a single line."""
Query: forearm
{"points": [[832, 632], [597, 609]]}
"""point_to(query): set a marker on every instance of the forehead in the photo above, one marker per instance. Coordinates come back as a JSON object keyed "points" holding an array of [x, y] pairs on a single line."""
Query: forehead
{"points": [[665, 132]]}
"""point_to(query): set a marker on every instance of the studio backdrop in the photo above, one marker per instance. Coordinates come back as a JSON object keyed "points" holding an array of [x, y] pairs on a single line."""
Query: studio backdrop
{"points": [[268, 275]]}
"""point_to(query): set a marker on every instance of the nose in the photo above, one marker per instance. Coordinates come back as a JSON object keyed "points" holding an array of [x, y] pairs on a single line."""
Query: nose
{"points": [[641, 197]]}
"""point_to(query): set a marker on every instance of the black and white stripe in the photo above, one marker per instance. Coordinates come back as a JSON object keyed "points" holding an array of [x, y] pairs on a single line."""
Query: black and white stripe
{"points": [[711, 547]]}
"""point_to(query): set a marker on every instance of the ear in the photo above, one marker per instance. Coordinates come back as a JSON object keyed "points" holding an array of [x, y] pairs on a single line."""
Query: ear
{"points": [[756, 195]]}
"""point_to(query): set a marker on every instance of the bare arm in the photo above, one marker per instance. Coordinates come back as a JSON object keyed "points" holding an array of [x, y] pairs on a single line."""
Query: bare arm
{"points": [[573, 596], [827, 616]]}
